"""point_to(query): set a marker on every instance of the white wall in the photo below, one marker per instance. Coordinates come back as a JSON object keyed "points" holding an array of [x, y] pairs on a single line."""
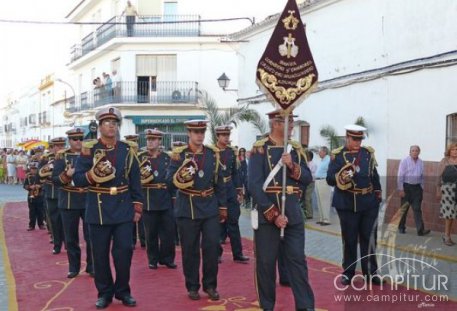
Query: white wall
{"points": [[351, 36]]}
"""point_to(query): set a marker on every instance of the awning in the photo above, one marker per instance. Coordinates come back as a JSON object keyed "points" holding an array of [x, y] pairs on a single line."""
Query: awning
{"points": [[157, 120]]}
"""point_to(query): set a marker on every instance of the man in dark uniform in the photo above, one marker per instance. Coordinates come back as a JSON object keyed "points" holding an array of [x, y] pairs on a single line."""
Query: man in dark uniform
{"points": [[51, 193], [34, 197], [244, 177], [159, 221], [234, 189], [173, 189], [357, 195], [265, 155], [110, 170], [200, 201], [72, 203], [138, 227]]}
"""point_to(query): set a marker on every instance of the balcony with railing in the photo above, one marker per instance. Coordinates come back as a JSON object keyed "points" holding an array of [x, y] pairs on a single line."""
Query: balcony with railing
{"points": [[145, 26], [136, 93]]}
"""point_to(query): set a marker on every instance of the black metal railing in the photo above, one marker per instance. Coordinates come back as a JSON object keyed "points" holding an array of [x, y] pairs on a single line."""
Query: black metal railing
{"points": [[144, 26], [162, 92]]}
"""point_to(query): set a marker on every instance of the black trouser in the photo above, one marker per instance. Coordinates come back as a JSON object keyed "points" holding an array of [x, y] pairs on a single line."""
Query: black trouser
{"points": [[267, 247], [232, 228], [160, 236], [282, 269], [413, 197], [193, 231], [35, 213], [121, 237], [138, 232], [70, 221], [359, 227], [130, 20], [56, 222]]}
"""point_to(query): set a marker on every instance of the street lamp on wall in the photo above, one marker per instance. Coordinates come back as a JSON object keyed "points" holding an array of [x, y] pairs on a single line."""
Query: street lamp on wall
{"points": [[224, 82]]}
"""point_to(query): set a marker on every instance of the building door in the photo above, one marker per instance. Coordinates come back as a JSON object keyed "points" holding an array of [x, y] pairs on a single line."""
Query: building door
{"points": [[142, 89]]}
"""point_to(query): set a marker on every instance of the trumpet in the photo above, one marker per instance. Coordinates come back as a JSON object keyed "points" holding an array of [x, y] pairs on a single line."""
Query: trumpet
{"points": [[146, 172], [46, 170]]}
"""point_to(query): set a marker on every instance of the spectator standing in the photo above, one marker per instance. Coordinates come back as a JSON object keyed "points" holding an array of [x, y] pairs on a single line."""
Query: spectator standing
{"points": [[447, 191], [410, 184], [324, 192], [308, 200], [21, 162], [11, 166], [2, 166], [130, 13], [116, 78]]}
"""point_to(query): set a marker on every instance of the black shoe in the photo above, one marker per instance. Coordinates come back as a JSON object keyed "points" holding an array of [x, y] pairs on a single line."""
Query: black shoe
{"points": [[193, 294], [283, 283], [103, 302], [90, 272], [30, 229], [319, 222], [241, 259], [56, 250], [345, 280], [143, 245], [71, 275], [152, 266], [376, 279], [402, 230], [169, 265], [42, 227], [423, 232], [128, 301], [325, 223], [212, 293]]}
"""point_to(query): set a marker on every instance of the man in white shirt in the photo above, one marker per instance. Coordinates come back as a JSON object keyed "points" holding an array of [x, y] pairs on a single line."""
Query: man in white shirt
{"points": [[324, 191]]}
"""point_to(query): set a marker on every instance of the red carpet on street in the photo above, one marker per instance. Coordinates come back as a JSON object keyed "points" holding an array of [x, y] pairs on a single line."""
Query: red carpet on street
{"points": [[41, 284]]}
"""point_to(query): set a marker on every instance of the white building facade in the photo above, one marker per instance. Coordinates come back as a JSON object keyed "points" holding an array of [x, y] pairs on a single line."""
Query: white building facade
{"points": [[390, 62], [358, 45], [162, 67]]}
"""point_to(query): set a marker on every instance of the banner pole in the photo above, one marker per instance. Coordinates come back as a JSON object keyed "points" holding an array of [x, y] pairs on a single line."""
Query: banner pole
{"points": [[284, 169]]}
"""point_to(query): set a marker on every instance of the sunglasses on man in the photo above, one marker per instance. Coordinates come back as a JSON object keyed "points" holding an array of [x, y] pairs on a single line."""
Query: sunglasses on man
{"points": [[77, 139]]}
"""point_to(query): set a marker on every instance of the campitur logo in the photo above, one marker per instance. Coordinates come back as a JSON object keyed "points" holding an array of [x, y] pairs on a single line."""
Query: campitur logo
{"points": [[409, 273]]}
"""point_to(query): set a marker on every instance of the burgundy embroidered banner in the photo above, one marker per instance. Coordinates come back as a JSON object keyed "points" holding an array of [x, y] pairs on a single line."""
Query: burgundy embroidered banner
{"points": [[286, 72]]}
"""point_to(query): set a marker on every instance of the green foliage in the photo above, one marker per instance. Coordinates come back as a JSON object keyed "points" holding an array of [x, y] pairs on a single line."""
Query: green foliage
{"points": [[233, 115], [329, 133], [361, 121]]}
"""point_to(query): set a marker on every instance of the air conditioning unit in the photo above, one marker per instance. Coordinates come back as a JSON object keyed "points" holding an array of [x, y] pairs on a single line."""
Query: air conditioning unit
{"points": [[176, 95]]}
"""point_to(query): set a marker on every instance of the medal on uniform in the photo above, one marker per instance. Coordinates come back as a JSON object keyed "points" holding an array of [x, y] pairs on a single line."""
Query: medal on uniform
{"points": [[357, 168], [156, 173], [224, 167], [201, 173]]}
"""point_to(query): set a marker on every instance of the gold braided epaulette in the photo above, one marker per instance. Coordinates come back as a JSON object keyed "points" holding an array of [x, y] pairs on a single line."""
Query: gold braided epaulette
{"points": [[61, 153], [298, 147], [213, 148], [142, 153], [130, 143], [87, 145], [176, 153], [258, 145], [369, 148], [337, 150]]}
